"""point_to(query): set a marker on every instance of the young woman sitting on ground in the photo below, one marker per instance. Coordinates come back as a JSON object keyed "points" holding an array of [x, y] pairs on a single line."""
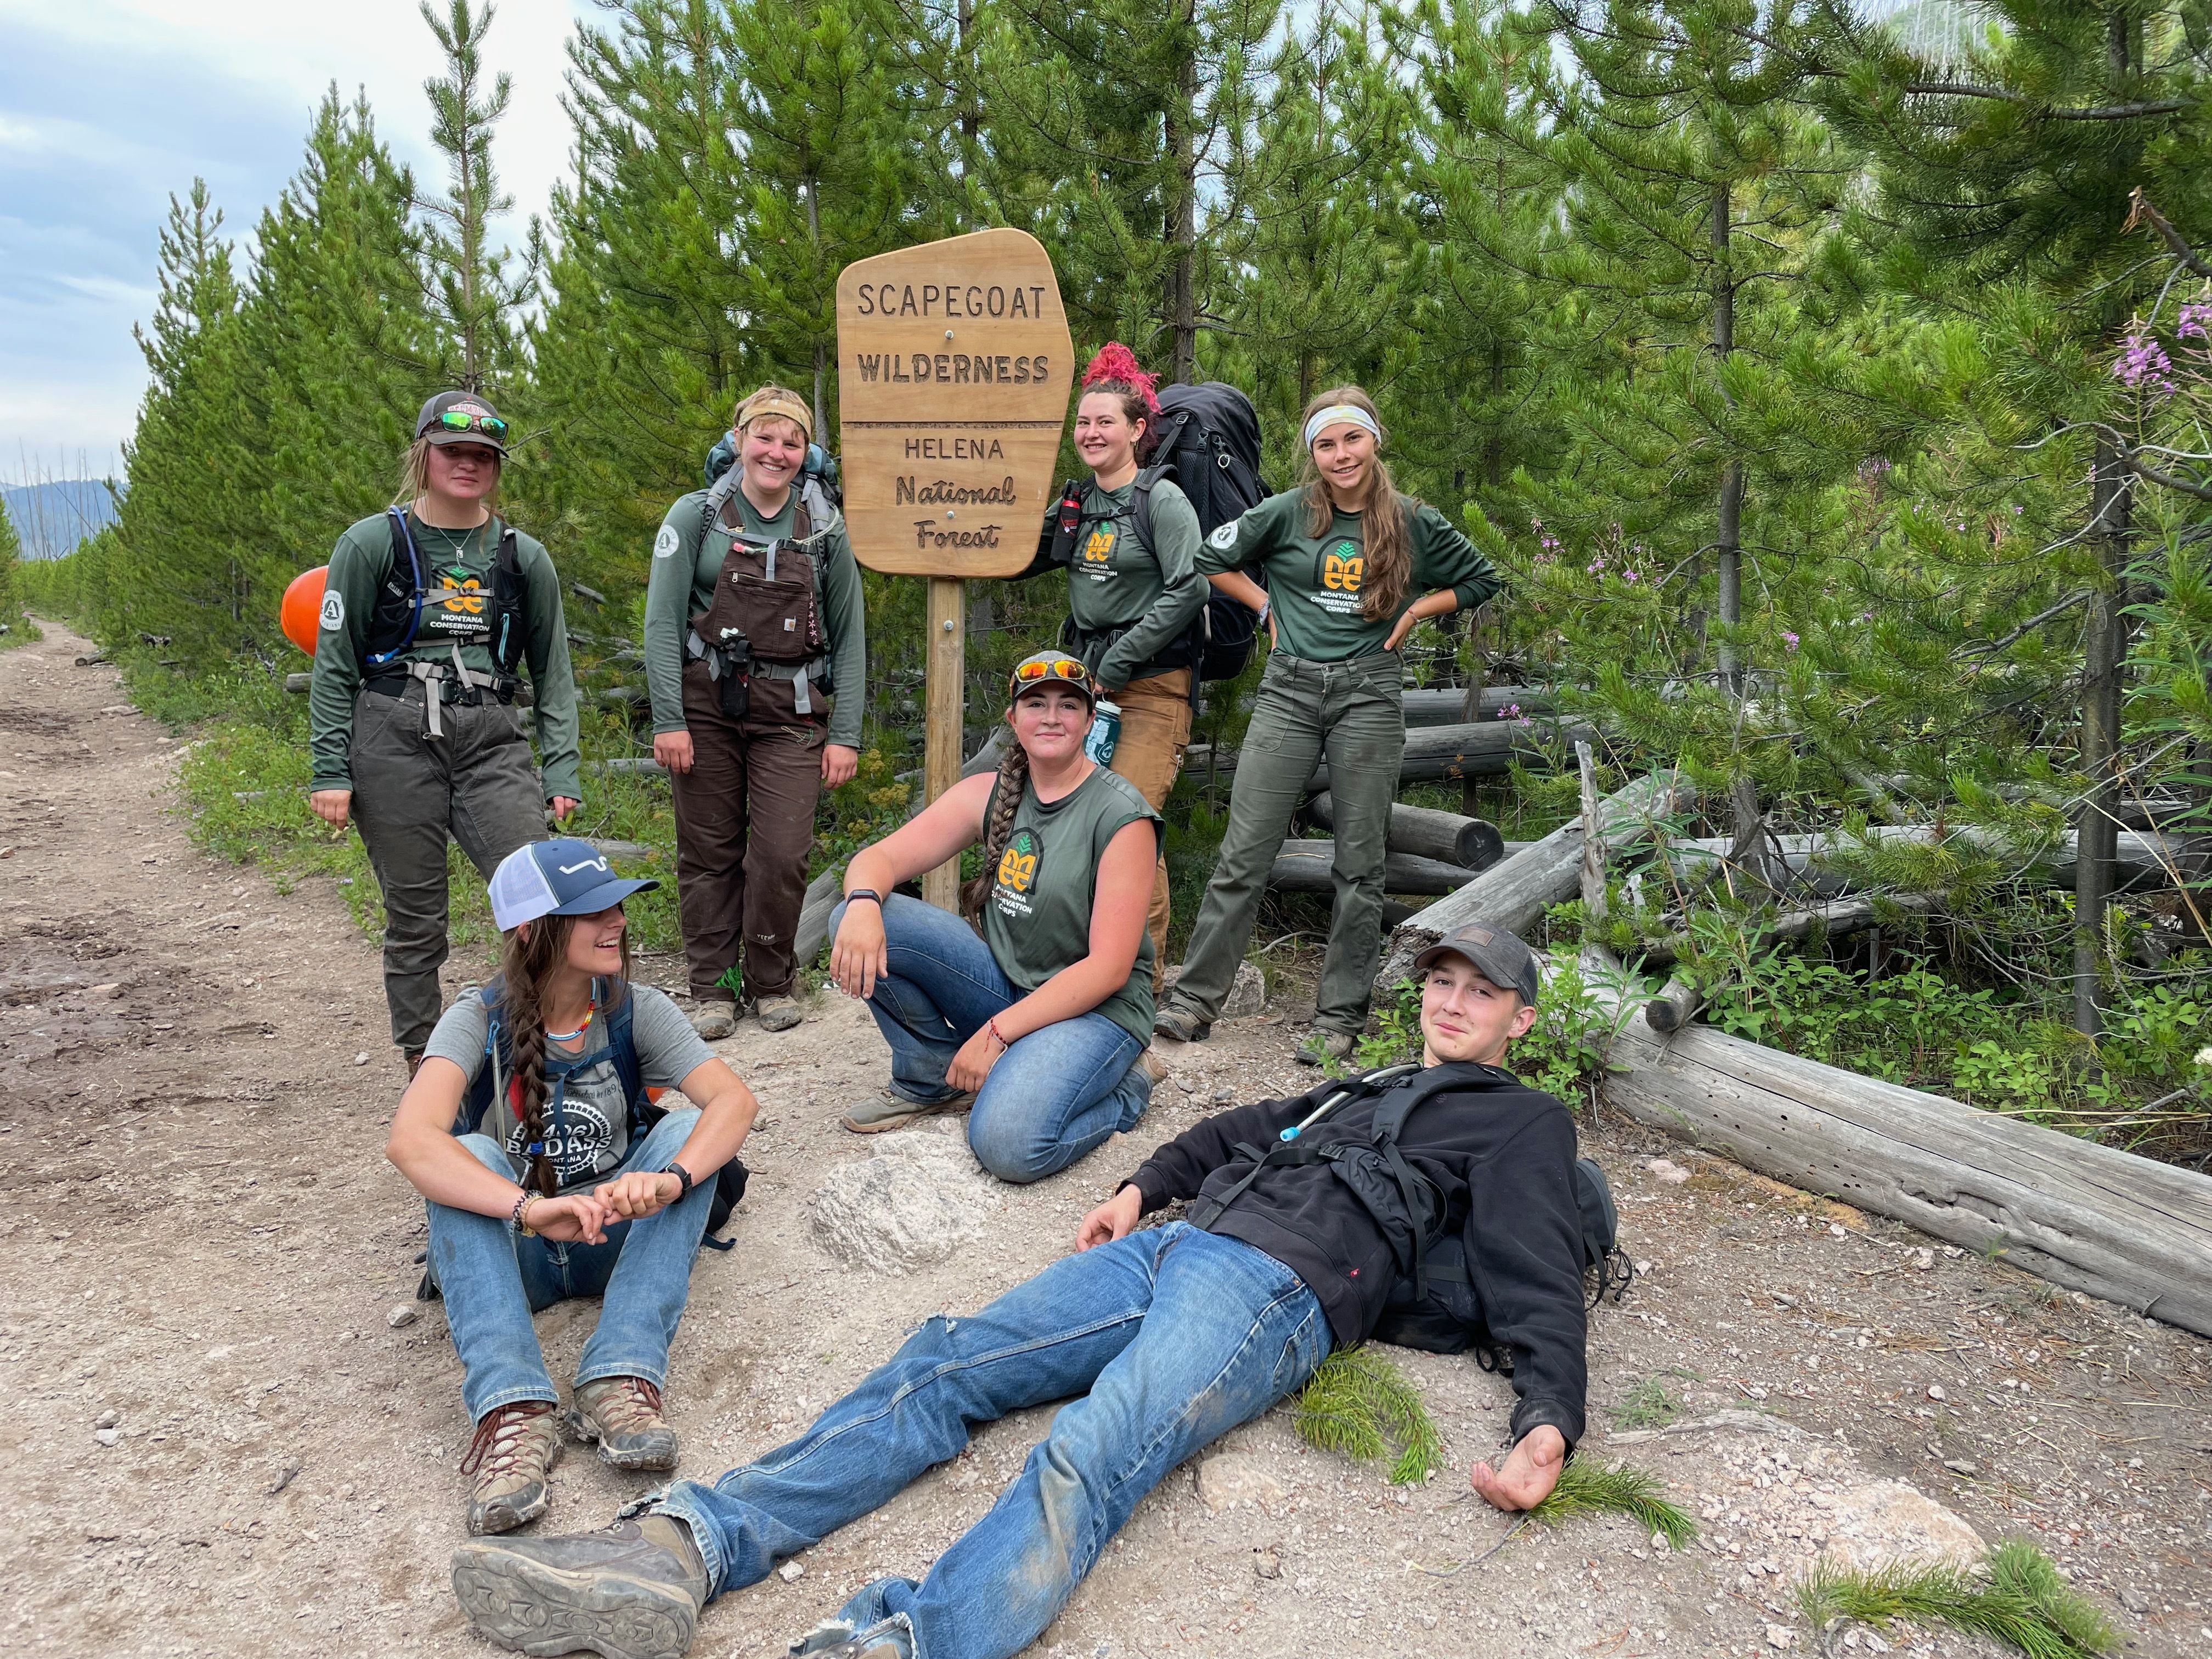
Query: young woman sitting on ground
{"points": [[546, 1180], [1034, 1029]]}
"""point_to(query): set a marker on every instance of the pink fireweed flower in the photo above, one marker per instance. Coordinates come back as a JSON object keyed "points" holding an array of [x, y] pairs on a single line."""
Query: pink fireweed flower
{"points": [[2194, 316], [2142, 365], [1789, 639]]}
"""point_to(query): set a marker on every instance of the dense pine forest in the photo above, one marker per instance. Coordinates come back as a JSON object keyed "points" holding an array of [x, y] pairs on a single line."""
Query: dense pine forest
{"points": [[1834, 401]]}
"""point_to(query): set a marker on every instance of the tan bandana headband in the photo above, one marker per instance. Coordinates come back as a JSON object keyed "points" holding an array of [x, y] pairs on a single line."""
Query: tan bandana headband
{"points": [[778, 404]]}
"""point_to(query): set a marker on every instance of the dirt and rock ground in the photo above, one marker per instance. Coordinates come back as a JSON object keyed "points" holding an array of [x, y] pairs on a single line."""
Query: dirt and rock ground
{"points": [[219, 1442]]}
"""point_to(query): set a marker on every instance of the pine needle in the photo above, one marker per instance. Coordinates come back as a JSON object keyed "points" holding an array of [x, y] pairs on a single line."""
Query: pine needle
{"points": [[1359, 1404], [1589, 1488], [2014, 1596]]}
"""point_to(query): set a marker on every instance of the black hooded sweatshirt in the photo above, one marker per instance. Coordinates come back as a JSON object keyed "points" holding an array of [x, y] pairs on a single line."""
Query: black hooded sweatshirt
{"points": [[1503, 1155]]}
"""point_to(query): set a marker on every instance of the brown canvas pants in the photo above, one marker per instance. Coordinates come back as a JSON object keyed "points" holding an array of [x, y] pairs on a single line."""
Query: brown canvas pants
{"points": [[1155, 731], [745, 820]]}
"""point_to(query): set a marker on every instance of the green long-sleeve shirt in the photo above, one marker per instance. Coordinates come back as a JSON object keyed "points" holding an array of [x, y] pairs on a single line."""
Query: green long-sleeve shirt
{"points": [[1314, 581], [457, 573], [681, 585], [1142, 599]]}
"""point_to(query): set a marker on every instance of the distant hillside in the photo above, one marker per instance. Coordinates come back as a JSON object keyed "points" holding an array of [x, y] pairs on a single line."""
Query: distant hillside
{"points": [[53, 517]]}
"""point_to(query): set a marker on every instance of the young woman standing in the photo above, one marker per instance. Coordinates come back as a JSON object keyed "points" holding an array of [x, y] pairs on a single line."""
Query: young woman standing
{"points": [[1037, 1025], [553, 1182], [1134, 591], [1344, 556], [429, 611], [753, 611]]}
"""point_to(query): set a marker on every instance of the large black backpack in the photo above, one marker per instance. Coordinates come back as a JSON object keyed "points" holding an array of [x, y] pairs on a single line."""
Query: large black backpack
{"points": [[1433, 1303]]}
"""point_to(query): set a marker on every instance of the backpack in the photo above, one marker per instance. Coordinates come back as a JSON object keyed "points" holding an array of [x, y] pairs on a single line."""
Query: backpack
{"points": [[1433, 1303], [397, 617], [1210, 447], [488, 1086]]}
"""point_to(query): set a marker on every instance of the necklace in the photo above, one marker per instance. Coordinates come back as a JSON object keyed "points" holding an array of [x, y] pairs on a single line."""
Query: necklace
{"points": [[571, 1036]]}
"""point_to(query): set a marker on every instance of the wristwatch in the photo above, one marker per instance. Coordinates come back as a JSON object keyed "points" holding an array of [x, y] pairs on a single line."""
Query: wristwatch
{"points": [[868, 893], [682, 1174]]}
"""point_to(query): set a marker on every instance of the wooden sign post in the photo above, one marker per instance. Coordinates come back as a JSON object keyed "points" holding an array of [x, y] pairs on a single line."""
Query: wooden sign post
{"points": [[954, 363]]}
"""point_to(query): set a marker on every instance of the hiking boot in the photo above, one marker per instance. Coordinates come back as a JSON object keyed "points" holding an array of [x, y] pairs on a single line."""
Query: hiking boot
{"points": [[623, 1413], [1181, 1024], [414, 1058], [515, 1448], [1320, 1047], [714, 1020], [892, 1110], [780, 1013], [631, 1591], [1154, 1067]]}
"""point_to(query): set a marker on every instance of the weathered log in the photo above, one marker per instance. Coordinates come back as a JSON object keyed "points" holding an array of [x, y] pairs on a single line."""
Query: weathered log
{"points": [[2146, 861], [1473, 844], [1303, 867], [1480, 749], [1842, 917], [628, 851], [1675, 1006], [822, 895], [627, 763], [1425, 708], [1514, 892], [2089, 1218]]}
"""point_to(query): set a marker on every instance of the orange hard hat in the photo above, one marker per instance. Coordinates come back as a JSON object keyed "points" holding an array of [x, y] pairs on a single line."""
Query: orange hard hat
{"points": [[302, 609]]}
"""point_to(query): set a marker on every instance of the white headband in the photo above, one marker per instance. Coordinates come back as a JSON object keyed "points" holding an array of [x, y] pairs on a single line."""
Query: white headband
{"points": [[1336, 412]]}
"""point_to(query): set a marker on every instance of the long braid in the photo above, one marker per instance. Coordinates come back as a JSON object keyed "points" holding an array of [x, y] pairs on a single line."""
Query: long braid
{"points": [[999, 828], [528, 962]]}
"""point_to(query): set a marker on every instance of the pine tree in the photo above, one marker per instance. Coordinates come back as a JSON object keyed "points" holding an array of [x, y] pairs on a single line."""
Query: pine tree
{"points": [[477, 289], [2005, 189]]}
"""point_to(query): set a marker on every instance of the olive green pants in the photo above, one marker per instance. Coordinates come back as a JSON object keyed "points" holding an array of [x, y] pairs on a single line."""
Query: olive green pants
{"points": [[411, 791], [1352, 715]]}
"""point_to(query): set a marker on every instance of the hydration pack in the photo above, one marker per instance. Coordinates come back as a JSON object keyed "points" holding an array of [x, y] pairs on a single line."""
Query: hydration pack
{"points": [[1433, 1303], [766, 618]]}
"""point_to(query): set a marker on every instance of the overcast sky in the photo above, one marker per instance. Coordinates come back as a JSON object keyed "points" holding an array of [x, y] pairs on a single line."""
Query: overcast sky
{"points": [[106, 106]]}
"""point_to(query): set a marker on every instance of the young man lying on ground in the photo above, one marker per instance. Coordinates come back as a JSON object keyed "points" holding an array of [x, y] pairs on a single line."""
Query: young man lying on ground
{"points": [[1163, 1340]]}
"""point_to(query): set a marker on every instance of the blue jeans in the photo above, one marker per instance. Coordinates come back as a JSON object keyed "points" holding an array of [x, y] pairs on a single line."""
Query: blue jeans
{"points": [[1171, 1338], [493, 1279], [1053, 1096]]}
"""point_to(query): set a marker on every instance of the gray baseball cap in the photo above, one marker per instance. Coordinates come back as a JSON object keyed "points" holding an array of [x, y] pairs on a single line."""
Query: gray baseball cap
{"points": [[462, 417], [1498, 956]]}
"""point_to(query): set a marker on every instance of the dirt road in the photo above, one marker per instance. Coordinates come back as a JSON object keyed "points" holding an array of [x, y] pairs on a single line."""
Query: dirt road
{"points": [[216, 1442]]}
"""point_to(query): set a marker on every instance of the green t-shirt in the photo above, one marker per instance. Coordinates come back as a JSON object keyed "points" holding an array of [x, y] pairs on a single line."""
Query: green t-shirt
{"points": [[1131, 602], [457, 577], [1314, 581], [679, 587], [1036, 918]]}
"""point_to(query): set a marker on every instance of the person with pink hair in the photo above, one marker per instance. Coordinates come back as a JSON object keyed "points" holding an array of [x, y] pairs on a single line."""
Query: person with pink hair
{"points": [[1135, 590]]}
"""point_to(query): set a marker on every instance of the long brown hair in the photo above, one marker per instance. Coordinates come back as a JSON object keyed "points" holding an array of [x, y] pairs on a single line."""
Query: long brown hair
{"points": [[529, 957], [1387, 545], [999, 828]]}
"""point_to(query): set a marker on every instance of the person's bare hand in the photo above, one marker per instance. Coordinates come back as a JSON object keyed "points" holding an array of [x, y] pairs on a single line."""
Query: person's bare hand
{"points": [[331, 805], [839, 763], [633, 1196], [975, 1060], [1112, 1220], [563, 806], [1530, 1472], [577, 1218], [673, 750], [860, 954], [1399, 630]]}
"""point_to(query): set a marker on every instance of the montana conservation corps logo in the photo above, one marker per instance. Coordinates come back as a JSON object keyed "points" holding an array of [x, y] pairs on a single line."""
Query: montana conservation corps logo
{"points": [[1099, 546], [464, 596], [1017, 873], [1340, 567]]}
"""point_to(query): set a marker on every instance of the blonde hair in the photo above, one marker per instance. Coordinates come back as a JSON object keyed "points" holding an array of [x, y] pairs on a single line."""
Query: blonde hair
{"points": [[1388, 544], [415, 475], [772, 402]]}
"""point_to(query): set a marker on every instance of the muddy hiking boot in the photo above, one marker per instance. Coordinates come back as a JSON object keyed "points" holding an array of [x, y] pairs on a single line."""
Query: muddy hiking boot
{"points": [[623, 1413], [630, 1591], [1320, 1047], [714, 1020], [515, 1448], [1181, 1024], [779, 1013], [889, 1639]]}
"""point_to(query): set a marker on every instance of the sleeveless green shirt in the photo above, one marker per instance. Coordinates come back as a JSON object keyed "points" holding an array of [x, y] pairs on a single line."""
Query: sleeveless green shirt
{"points": [[1036, 918]]}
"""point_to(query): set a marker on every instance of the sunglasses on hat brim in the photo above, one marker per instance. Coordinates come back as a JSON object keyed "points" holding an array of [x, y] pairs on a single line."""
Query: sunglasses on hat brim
{"points": [[1043, 672], [455, 420]]}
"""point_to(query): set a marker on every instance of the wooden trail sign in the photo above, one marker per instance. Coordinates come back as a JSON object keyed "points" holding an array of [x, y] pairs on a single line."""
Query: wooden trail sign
{"points": [[954, 364]]}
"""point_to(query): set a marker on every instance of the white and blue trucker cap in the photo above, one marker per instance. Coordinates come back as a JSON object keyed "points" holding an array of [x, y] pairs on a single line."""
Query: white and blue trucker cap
{"points": [[564, 877]]}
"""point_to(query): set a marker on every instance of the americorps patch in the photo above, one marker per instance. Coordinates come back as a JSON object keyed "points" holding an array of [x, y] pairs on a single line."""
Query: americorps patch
{"points": [[664, 544], [1224, 537], [333, 615]]}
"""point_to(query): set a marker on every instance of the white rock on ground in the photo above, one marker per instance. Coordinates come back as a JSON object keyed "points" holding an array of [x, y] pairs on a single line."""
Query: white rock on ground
{"points": [[1247, 995], [915, 1200], [1884, 1522]]}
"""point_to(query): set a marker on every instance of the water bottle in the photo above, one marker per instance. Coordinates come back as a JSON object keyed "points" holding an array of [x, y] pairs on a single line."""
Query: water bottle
{"points": [[1105, 731]]}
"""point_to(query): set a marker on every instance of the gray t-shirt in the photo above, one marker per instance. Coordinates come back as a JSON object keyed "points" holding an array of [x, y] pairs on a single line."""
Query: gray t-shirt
{"points": [[587, 1128]]}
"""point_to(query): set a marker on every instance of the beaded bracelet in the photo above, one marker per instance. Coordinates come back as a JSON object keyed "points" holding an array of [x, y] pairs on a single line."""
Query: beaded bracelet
{"points": [[515, 1217]]}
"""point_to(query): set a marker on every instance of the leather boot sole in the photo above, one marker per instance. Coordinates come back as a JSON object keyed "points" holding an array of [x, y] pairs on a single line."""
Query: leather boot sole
{"points": [[530, 1608]]}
